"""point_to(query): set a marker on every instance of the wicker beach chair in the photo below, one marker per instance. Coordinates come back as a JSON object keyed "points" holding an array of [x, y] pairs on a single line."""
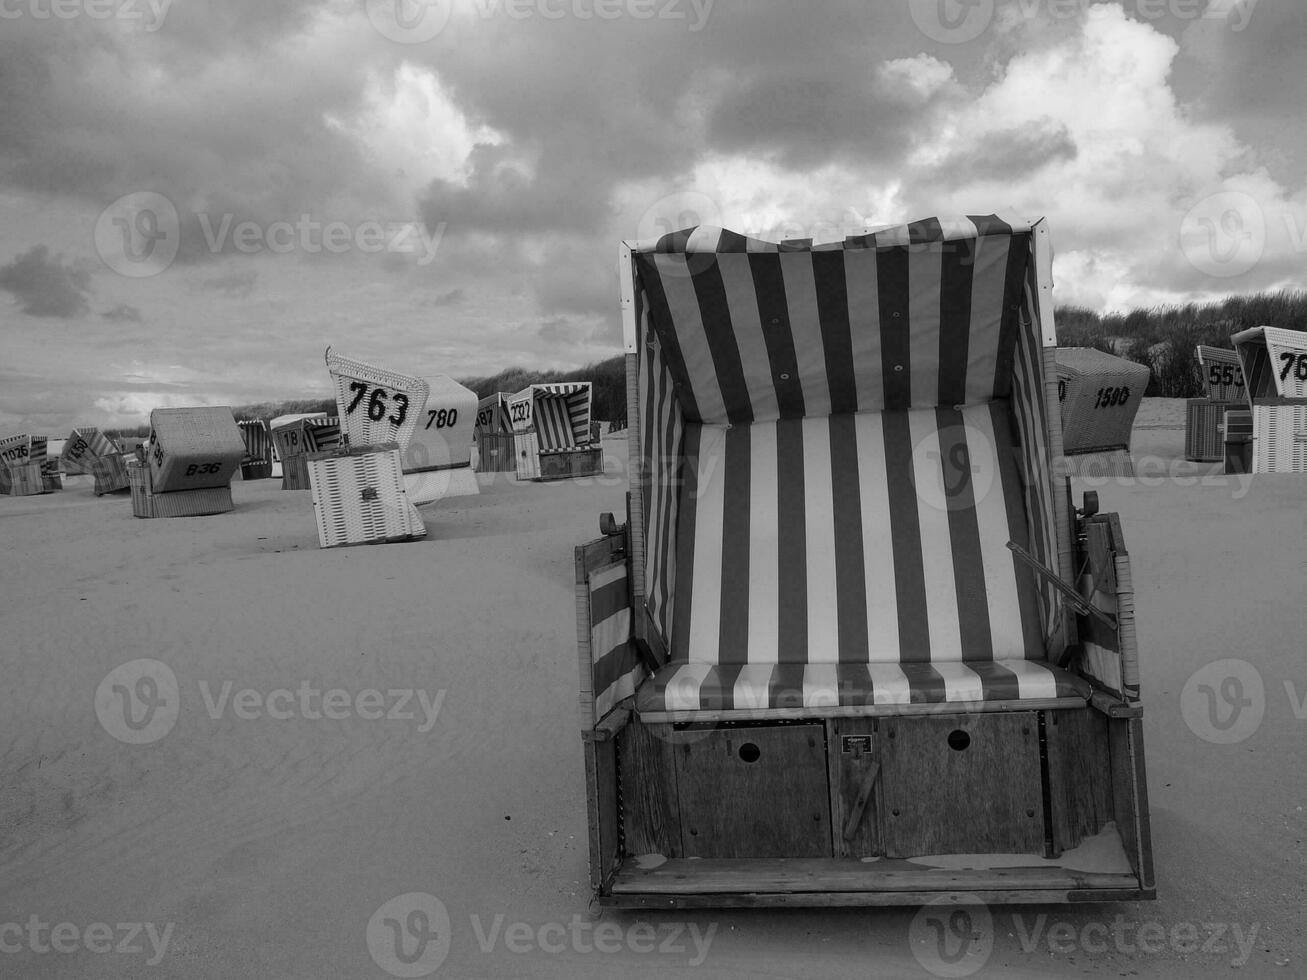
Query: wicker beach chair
{"points": [[1275, 368], [438, 462], [551, 432], [190, 458], [1204, 433], [1100, 395], [358, 489], [854, 645]]}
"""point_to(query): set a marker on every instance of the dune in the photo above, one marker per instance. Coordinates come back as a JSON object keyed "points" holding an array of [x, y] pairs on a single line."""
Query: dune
{"points": [[351, 726]]}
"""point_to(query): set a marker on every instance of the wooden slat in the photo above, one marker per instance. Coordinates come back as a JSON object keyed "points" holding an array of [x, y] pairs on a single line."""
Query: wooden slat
{"points": [[1080, 779], [602, 815], [707, 876], [1128, 892], [650, 808]]}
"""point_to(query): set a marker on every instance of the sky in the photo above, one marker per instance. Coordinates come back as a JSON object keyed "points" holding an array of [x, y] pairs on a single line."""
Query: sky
{"points": [[197, 197]]}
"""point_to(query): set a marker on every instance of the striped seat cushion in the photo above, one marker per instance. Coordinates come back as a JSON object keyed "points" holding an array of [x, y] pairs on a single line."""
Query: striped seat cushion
{"points": [[867, 538], [691, 690]]}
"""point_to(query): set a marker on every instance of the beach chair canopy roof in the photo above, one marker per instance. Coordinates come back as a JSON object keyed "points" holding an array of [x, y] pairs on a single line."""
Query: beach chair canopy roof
{"points": [[912, 316], [1274, 362]]}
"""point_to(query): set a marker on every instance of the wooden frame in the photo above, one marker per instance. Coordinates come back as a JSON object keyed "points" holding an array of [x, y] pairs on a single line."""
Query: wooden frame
{"points": [[678, 819]]}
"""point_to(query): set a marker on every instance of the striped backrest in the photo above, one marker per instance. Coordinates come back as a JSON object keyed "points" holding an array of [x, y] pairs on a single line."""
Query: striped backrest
{"points": [[817, 426], [873, 537], [258, 440]]}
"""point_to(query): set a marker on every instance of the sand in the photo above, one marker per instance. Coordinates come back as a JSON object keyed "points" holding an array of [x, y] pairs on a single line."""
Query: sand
{"points": [[262, 846]]}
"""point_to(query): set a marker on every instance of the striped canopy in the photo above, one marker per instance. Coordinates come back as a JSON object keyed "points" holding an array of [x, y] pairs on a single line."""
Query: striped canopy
{"points": [[839, 441], [922, 315], [559, 413]]}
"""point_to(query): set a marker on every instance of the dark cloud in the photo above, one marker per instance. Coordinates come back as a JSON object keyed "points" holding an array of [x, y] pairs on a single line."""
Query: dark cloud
{"points": [[45, 285], [122, 313], [237, 285], [451, 297]]}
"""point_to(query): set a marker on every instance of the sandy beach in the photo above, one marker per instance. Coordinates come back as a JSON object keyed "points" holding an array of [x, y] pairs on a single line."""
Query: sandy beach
{"points": [[346, 727]]}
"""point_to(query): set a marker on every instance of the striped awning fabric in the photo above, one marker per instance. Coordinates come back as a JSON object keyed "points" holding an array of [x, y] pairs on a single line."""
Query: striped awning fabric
{"points": [[876, 537], [838, 443], [258, 439], [927, 314], [693, 687], [559, 412], [616, 667]]}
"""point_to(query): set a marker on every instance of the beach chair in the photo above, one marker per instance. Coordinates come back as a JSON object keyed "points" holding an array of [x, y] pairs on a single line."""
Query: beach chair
{"points": [[358, 489], [1100, 395], [190, 458], [294, 437], [1204, 432], [438, 462], [854, 645], [551, 432], [494, 435], [25, 470], [257, 464], [1275, 368], [88, 451]]}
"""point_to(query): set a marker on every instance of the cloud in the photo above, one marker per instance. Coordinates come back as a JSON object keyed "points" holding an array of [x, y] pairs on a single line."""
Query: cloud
{"points": [[45, 285], [451, 297], [122, 313], [237, 285]]}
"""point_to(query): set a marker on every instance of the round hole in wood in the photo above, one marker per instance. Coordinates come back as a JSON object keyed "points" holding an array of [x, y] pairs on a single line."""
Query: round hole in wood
{"points": [[958, 740], [750, 752]]}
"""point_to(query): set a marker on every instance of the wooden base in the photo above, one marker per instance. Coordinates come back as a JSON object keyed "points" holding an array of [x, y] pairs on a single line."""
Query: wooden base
{"points": [[1036, 806], [685, 883]]}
